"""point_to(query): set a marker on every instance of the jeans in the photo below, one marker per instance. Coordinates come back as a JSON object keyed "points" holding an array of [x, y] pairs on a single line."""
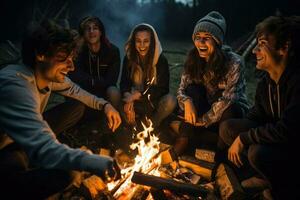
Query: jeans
{"points": [[19, 179], [157, 112], [202, 136]]}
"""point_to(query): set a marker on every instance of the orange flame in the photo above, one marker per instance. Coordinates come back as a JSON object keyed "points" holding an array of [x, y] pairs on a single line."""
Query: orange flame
{"points": [[146, 161]]}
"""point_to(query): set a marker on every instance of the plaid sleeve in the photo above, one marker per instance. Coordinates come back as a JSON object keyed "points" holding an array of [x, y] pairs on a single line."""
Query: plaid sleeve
{"points": [[228, 95], [181, 96]]}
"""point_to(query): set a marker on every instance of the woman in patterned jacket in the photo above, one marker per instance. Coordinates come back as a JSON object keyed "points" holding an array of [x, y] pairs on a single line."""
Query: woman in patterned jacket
{"points": [[212, 87]]}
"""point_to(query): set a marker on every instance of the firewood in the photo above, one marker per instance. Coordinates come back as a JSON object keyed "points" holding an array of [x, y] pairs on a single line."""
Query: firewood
{"points": [[200, 167], [140, 193], [205, 155], [228, 184], [91, 187], [168, 156], [158, 194], [163, 146], [104, 152], [169, 184]]}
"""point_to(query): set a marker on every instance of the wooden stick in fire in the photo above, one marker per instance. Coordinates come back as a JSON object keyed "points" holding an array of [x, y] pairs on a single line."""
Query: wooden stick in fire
{"points": [[115, 189], [148, 86], [163, 183]]}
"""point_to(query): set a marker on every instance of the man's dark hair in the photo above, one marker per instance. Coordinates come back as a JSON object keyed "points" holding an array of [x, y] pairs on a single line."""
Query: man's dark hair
{"points": [[99, 23], [285, 30], [45, 38]]}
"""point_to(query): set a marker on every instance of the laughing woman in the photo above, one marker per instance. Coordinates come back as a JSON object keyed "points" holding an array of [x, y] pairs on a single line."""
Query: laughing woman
{"points": [[145, 78], [212, 87]]}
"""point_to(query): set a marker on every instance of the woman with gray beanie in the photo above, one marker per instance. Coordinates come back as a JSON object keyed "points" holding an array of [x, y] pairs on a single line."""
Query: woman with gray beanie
{"points": [[212, 87]]}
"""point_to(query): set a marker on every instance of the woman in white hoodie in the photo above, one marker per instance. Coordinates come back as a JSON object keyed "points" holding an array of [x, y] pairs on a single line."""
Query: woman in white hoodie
{"points": [[145, 77]]}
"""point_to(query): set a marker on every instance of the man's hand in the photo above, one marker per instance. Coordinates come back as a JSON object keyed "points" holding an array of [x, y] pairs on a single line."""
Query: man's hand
{"points": [[113, 117], [190, 113], [108, 168], [234, 152], [113, 172]]}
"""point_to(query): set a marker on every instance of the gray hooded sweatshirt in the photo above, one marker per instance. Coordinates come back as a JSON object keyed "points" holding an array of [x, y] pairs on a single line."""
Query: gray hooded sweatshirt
{"points": [[21, 108]]}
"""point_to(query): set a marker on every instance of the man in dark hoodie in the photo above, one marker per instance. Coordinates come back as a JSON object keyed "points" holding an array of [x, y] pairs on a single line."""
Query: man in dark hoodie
{"points": [[98, 62], [269, 134]]}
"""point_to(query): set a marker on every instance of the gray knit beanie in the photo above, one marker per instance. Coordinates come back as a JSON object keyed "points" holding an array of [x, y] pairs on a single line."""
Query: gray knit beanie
{"points": [[213, 23]]}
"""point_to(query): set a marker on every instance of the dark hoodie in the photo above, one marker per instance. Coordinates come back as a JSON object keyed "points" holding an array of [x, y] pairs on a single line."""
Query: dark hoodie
{"points": [[276, 109], [95, 75]]}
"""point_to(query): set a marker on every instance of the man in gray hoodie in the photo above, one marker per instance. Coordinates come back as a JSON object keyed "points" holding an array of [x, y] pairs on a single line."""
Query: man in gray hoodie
{"points": [[33, 163]]}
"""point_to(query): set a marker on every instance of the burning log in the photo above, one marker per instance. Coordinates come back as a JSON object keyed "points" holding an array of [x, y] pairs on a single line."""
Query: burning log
{"points": [[228, 184], [200, 167], [158, 194], [168, 156], [139, 193], [169, 184]]}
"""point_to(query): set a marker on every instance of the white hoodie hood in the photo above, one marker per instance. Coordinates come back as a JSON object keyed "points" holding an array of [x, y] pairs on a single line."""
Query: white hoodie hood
{"points": [[157, 50]]}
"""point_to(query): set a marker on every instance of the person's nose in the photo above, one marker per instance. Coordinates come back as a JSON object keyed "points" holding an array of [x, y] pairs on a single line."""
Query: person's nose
{"points": [[70, 64]]}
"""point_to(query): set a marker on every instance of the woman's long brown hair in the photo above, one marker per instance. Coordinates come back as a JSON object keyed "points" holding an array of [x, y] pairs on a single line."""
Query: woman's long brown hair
{"points": [[134, 62], [196, 67]]}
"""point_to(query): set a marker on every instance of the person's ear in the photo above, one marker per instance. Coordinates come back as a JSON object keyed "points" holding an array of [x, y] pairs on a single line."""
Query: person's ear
{"points": [[284, 50]]}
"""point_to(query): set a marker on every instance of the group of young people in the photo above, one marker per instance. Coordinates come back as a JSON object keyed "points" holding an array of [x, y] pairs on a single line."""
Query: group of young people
{"points": [[212, 106]]}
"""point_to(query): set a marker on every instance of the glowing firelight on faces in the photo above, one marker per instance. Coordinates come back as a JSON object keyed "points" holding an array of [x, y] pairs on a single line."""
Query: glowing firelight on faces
{"points": [[146, 160]]}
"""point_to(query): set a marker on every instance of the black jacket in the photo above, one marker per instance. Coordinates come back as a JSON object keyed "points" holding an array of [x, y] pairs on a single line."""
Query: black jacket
{"points": [[156, 91], [277, 110], [93, 76]]}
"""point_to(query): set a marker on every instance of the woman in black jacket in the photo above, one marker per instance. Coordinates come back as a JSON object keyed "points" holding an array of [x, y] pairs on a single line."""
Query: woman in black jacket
{"points": [[145, 77]]}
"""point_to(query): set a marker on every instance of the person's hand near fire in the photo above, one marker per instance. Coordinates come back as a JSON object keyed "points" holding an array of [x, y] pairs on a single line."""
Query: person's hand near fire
{"points": [[113, 116], [234, 152], [129, 105], [113, 171], [190, 113]]}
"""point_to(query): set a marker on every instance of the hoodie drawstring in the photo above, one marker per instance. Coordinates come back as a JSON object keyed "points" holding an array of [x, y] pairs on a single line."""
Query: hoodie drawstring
{"points": [[278, 101], [91, 70]]}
